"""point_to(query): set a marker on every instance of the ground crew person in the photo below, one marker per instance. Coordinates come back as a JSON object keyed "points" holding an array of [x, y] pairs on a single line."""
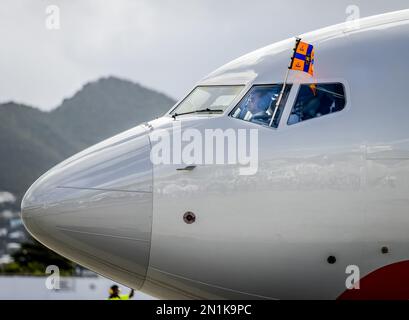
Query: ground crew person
{"points": [[114, 294]]}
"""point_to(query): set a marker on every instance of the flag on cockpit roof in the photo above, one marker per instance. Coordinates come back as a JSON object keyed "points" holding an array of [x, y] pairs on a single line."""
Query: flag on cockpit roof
{"points": [[303, 57]]}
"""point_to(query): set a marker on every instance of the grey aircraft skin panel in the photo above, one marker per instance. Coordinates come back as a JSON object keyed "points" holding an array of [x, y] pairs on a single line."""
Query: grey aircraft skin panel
{"points": [[96, 208], [336, 185]]}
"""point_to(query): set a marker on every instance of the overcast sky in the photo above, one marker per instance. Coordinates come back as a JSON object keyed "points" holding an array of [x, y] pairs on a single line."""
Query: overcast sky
{"points": [[164, 45]]}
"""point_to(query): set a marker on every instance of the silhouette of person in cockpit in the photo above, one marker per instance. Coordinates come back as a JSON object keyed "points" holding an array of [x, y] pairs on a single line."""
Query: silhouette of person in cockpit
{"points": [[318, 105], [256, 106]]}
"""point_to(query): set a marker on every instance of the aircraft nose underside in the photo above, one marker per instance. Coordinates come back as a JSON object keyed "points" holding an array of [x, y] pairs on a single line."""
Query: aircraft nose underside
{"points": [[96, 207]]}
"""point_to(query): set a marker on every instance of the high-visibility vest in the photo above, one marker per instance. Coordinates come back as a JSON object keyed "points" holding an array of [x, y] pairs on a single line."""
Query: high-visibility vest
{"points": [[120, 297]]}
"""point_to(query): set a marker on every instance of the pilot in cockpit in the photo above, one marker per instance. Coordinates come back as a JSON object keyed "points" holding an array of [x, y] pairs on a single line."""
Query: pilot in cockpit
{"points": [[256, 106], [312, 102]]}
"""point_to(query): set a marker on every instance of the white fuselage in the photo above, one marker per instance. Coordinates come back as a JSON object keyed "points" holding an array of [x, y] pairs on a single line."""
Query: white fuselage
{"points": [[334, 186]]}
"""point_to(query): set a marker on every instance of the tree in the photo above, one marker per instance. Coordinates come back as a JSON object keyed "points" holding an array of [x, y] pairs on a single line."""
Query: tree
{"points": [[33, 258]]}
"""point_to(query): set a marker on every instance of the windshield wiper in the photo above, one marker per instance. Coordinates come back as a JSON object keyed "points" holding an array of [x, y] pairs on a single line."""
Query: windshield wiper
{"points": [[197, 111]]}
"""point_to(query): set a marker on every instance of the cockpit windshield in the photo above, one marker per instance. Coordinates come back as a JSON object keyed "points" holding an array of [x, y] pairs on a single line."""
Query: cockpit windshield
{"points": [[207, 99]]}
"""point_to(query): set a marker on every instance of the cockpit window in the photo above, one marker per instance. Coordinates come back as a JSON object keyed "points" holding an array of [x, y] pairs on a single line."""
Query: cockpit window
{"points": [[208, 99], [316, 100], [259, 103]]}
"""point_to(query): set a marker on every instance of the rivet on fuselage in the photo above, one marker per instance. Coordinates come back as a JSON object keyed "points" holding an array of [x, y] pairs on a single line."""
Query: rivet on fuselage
{"points": [[189, 217], [331, 259]]}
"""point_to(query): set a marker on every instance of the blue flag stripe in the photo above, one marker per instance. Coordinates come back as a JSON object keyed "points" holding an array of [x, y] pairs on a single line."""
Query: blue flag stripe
{"points": [[299, 56], [309, 50]]}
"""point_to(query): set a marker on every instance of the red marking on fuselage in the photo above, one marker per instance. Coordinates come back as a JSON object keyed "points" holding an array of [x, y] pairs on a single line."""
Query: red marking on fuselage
{"points": [[387, 283]]}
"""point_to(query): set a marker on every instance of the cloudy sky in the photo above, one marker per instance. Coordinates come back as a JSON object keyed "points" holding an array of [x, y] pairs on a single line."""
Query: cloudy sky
{"points": [[164, 45]]}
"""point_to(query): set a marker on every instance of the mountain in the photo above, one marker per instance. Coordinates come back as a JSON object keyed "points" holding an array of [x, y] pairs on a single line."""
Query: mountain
{"points": [[32, 141], [106, 107]]}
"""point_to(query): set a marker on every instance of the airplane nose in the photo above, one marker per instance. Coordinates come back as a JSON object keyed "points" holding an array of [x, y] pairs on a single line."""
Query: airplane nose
{"points": [[95, 208]]}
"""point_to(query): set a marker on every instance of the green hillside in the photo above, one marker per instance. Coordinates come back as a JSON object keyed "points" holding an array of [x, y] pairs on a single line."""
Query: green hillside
{"points": [[32, 141]]}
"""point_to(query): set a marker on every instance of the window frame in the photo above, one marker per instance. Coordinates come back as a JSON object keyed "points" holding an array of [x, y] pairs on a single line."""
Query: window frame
{"points": [[344, 88], [263, 85]]}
